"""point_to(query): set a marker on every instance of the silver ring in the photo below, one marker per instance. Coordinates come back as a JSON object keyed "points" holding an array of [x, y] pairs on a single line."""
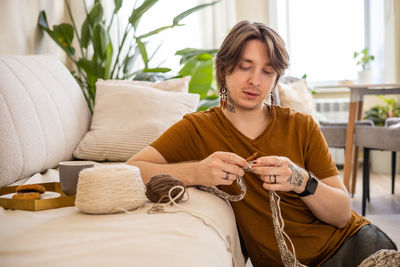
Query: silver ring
{"points": [[269, 177], [274, 181], [280, 162], [227, 176]]}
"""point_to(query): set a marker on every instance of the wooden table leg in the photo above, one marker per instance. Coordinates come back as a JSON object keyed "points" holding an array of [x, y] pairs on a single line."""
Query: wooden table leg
{"points": [[349, 145], [355, 169], [356, 150]]}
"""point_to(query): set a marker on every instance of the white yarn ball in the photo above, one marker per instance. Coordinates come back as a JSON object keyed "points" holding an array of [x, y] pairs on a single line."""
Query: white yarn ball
{"points": [[110, 189]]}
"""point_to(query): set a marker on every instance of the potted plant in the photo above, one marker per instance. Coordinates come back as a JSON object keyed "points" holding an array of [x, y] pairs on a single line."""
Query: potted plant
{"points": [[364, 59], [381, 160], [102, 57], [378, 114]]}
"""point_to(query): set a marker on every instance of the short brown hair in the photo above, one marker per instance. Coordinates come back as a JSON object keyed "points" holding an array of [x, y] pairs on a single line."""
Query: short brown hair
{"points": [[231, 49]]}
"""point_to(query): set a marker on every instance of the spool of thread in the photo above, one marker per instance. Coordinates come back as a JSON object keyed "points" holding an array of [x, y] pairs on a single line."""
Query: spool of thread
{"points": [[110, 189], [159, 186]]}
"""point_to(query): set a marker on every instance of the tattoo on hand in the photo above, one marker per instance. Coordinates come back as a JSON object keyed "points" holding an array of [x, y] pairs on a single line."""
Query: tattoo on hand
{"points": [[295, 178]]}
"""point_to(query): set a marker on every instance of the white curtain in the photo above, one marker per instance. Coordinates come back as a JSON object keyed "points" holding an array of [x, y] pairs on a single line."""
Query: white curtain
{"points": [[393, 44]]}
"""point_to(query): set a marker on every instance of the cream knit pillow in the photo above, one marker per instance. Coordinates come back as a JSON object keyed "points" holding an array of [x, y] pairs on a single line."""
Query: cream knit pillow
{"points": [[173, 85], [297, 96], [128, 117]]}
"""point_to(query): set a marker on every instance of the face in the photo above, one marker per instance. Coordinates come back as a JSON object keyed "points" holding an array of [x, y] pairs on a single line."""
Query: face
{"points": [[252, 79]]}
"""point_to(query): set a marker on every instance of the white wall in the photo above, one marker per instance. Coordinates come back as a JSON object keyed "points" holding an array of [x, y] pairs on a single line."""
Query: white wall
{"points": [[19, 33], [253, 10]]}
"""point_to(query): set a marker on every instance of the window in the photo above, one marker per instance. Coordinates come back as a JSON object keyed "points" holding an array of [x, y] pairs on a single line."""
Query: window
{"points": [[321, 36], [171, 40]]}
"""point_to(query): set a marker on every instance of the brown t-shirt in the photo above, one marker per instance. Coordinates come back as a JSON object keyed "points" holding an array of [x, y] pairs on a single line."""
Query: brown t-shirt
{"points": [[290, 134]]}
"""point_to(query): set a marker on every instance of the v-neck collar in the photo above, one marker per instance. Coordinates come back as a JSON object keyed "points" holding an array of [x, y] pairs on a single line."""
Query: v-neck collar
{"points": [[227, 123]]}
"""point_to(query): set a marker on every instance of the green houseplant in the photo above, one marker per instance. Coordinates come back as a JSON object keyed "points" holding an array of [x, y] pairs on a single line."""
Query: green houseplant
{"points": [[363, 59], [378, 114], [102, 57], [380, 160], [199, 64]]}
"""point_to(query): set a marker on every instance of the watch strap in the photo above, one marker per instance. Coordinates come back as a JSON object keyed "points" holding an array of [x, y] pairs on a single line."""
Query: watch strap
{"points": [[309, 190]]}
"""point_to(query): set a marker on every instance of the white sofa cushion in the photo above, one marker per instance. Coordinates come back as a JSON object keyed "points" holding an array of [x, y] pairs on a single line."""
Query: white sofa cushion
{"points": [[43, 115], [127, 117]]}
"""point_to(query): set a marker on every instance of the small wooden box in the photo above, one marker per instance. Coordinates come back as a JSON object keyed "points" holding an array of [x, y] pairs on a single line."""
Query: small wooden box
{"points": [[40, 204]]}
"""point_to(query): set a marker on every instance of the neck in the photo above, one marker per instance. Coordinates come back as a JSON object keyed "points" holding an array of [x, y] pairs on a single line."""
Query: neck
{"points": [[248, 117]]}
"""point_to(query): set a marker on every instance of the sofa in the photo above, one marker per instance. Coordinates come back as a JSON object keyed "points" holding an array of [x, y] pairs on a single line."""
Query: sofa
{"points": [[44, 119]]}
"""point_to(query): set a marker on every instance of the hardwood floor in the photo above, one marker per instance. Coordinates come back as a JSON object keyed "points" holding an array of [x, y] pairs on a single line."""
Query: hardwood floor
{"points": [[384, 208], [382, 201]]}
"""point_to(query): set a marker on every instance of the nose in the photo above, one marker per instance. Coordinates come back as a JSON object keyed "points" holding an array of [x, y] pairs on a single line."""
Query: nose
{"points": [[255, 78]]}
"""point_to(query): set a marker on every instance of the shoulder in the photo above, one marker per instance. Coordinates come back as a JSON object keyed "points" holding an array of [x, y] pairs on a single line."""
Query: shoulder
{"points": [[202, 116]]}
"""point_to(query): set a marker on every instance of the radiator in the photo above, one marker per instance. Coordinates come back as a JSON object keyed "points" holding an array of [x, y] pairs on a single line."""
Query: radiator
{"points": [[333, 110]]}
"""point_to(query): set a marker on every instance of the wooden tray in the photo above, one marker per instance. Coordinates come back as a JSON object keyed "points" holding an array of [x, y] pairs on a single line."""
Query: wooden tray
{"points": [[40, 204]]}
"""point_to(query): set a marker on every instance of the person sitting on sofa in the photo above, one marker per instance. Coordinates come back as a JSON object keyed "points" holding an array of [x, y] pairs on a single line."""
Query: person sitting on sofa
{"points": [[209, 148]]}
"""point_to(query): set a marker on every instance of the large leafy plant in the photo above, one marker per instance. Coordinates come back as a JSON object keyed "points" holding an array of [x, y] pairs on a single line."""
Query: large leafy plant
{"points": [[199, 64], [102, 57]]}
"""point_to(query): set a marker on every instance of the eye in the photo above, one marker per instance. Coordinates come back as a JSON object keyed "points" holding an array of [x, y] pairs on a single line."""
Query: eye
{"points": [[268, 72], [244, 67]]}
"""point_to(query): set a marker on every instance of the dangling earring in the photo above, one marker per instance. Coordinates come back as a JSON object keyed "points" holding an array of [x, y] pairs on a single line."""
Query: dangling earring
{"points": [[272, 98], [223, 97]]}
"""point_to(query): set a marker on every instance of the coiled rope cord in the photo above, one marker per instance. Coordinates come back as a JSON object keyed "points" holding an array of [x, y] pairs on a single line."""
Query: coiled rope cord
{"points": [[288, 258], [168, 190]]}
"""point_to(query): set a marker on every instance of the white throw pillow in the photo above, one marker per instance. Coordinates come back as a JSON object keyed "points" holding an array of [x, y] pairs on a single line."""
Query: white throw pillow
{"points": [[297, 96], [128, 117], [173, 85]]}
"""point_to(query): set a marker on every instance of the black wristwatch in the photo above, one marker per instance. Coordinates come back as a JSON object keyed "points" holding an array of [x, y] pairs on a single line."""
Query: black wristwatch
{"points": [[311, 186]]}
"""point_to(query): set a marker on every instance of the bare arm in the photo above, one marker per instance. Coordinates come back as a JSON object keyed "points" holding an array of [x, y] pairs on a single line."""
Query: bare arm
{"points": [[210, 171], [330, 203]]}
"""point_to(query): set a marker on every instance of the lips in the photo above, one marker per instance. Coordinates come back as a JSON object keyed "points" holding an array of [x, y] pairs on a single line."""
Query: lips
{"points": [[251, 93]]}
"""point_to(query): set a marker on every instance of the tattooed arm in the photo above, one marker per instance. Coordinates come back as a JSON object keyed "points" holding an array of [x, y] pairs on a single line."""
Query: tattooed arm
{"points": [[330, 202]]}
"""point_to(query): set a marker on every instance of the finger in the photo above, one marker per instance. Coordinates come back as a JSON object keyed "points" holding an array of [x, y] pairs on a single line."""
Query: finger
{"points": [[233, 169], [265, 171], [270, 161], [265, 161], [271, 187], [271, 179], [281, 161], [232, 158], [227, 178]]}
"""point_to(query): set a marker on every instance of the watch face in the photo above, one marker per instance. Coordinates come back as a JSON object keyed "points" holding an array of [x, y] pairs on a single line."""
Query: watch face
{"points": [[312, 186]]}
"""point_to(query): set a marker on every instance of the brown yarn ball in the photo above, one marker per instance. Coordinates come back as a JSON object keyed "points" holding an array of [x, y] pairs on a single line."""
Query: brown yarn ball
{"points": [[158, 187]]}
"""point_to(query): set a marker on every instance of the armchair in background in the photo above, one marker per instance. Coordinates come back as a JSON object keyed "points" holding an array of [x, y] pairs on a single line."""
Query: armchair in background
{"points": [[377, 138]]}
